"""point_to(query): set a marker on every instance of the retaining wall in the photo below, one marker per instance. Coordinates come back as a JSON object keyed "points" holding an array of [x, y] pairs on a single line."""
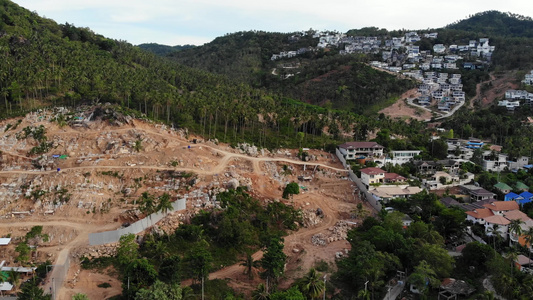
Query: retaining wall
{"points": [[108, 237]]}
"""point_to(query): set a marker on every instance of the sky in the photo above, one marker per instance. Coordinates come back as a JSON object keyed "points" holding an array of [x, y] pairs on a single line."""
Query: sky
{"points": [[180, 22]]}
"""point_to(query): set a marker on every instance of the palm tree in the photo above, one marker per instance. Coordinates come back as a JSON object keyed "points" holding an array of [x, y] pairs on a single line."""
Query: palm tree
{"points": [[363, 295], [515, 227], [487, 295], [312, 285], [260, 293], [147, 202], [512, 256], [164, 204], [528, 237], [249, 264], [14, 278], [495, 233]]}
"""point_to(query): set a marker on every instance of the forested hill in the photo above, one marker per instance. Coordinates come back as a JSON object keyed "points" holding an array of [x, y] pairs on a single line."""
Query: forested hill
{"points": [[495, 23], [244, 56], [318, 76], [46, 64], [163, 50]]}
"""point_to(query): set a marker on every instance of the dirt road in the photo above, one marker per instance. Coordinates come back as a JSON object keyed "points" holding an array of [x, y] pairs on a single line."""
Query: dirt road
{"points": [[220, 161]]}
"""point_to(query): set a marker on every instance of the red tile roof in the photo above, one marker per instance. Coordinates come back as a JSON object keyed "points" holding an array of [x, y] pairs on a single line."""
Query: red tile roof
{"points": [[394, 176], [502, 205], [480, 213], [374, 171], [516, 215], [357, 145], [496, 219]]}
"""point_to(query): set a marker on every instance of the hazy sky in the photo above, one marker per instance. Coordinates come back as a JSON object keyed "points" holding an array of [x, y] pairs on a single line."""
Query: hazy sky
{"points": [[178, 22]]}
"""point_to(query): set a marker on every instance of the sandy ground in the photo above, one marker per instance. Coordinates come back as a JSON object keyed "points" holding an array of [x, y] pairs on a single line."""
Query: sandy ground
{"points": [[101, 176]]}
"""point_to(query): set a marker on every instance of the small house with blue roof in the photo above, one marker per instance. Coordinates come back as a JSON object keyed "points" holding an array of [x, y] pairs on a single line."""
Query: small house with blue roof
{"points": [[527, 197], [513, 197]]}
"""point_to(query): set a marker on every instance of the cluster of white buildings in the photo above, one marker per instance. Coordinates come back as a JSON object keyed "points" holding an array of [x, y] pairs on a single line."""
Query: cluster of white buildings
{"points": [[441, 57], [443, 88], [513, 98], [400, 53], [290, 54], [528, 80], [491, 160]]}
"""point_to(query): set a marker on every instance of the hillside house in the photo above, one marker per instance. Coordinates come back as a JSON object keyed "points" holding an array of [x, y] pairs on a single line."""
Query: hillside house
{"points": [[477, 193], [392, 178], [526, 198], [458, 96], [401, 157], [439, 48], [354, 150], [512, 197], [372, 175], [495, 162], [477, 216], [503, 187], [497, 223], [516, 94], [501, 207], [522, 187], [524, 264], [424, 100], [474, 144], [518, 163], [388, 192], [429, 167], [528, 79]]}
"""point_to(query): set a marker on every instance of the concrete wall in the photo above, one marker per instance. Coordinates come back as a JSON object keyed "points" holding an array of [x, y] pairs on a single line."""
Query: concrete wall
{"points": [[113, 236], [341, 158], [363, 192]]}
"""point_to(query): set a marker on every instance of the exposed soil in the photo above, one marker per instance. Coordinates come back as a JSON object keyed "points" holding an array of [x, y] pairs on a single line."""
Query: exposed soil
{"points": [[493, 89], [400, 109], [104, 173]]}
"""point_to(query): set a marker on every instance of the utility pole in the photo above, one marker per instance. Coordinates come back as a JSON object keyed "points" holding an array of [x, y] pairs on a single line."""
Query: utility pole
{"points": [[325, 286], [202, 287]]}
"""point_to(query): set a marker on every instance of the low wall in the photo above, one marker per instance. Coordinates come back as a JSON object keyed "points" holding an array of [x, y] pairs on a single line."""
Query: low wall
{"points": [[363, 192], [108, 237]]}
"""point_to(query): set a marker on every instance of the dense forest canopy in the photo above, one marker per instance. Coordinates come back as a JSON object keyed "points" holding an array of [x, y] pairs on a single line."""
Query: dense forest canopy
{"points": [[43, 63], [163, 50], [495, 23]]}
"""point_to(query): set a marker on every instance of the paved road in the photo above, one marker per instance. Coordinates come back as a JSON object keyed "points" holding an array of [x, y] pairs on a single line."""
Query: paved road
{"points": [[410, 101], [394, 292]]}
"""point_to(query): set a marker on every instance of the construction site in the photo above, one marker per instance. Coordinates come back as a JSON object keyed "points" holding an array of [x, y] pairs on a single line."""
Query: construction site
{"points": [[78, 174]]}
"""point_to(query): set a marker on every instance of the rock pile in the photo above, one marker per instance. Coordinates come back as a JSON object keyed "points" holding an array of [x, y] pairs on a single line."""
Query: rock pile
{"points": [[171, 222], [99, 251], [246, 148], [310, 218], [339, 231], [319, 239]]}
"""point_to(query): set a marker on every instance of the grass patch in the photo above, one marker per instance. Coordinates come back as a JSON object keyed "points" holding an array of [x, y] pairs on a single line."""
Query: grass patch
{"points": [[322, 266], [100, 263], [104, 285]]}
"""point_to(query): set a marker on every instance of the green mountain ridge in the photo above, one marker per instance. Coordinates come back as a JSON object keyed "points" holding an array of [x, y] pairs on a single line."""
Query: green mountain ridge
{"points": [[495, 23], [46, 64], [163, 50]]}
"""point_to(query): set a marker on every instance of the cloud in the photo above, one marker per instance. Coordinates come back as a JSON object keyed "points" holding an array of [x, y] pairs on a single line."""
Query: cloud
{"points": [[201, 20]]}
